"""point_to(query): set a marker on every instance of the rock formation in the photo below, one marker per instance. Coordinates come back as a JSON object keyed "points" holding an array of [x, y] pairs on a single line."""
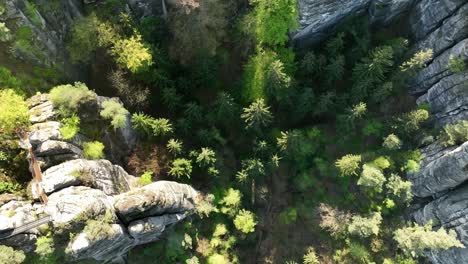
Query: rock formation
{"points": [[101, 207], [440, 25]]}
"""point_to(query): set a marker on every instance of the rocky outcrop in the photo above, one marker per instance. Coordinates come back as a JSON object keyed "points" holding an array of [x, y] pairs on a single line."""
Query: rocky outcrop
{"points": [[319, 18], [101, 210]]}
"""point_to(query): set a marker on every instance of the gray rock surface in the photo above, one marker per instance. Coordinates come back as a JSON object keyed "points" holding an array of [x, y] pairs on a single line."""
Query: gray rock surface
{"points": [[162, 197], [151, 228]]}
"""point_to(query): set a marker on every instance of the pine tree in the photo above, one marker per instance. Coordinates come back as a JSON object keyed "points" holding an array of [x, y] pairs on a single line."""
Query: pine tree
{"points": [[257, 114]]}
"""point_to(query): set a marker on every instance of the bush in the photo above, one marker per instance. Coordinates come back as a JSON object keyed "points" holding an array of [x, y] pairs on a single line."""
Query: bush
{"points": [[217, 259], [132, 54], [456, 133], [84, 40], [456, 65], [67, 98], [11, 256], [365, 226], [5, 34], [146, 178], [181, 168], [273, 20], [412, 166], [70, 126], [14, 112], [400, 188], [415, 240], [245, 221], [32, 13], [392, 142], [311, 257], [93, 150], [348, 164], [332, 219], [231, 201], [9, 187], [371, 177], [418, 61], [45, 248], [115, 112]]}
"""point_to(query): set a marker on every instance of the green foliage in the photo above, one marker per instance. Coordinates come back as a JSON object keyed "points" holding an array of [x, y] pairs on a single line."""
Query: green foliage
{"points": [[146, 178], [174, 146], [115, 112], [455, 65], [358, 254], [455, 134], [411, 166], [392, 142], [93, 150], [206, 157], [400, 188], [181, 168], [245, 221], [418, 61], [151, 126], [67, 98], [365, 226], [272, 21], [359, 110], [257, 114], [348, 164], [414, 240], [381, 162], [11, 256], [45, 248], [231, 202], [371, 177], [14, 112], [70, 126], [132, 54], [5, 34], [9, 81], [217, 259], [310, 257], [32, 13], [84, 41], [99, 228], [9, 187], [412, 121]]}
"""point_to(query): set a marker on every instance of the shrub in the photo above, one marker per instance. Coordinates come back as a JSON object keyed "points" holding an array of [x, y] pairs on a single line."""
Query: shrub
{"points": [[11, 256], [456, 65], [418, 61], [83, 41], [274, 20], [9, 81], [456, 133], [217, 259], [206, 157], [257, 114], [32, 13], [231, 201], [358, 254], [181, 168], [67, 98], [371, 177], [414, 240], [348, 164], [9, 187], [132, 95], [70, 126], [400, 188], [365, 226], [359, 110], [146, 178], [98, 230], [5, 34], [151, 126], [132, 54], [392, 142], [412, 166], [311, 256], [45, 247], [245, 221], [115, 112], [174, 146], [14, 111], [332, 219], [381, 162], [93, 150], [414, 119]]}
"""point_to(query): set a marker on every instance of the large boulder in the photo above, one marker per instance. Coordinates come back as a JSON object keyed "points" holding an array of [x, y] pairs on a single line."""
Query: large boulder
{"points": [[159, 198], [100, 174], [151, 228]]}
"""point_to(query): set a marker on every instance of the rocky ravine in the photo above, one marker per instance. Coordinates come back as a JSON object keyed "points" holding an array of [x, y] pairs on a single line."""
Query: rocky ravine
{"points": [[440, 25], [80, 190]]}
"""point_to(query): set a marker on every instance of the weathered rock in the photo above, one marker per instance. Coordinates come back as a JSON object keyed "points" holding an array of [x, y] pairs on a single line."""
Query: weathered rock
{"points": [[448, 99], [150, 229], [78, 201], [441, 174], [115, 245], [41, 132], [438, 69], [317, 18], [158, 198], [53, 147], [427, 15], [16, 213], [383, 12], [101, 174], [42, 112]]}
